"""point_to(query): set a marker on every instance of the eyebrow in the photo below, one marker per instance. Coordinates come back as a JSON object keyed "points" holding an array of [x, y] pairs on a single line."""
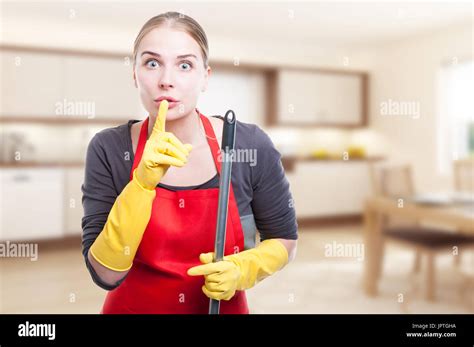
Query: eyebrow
{"points": [[159, 56]]}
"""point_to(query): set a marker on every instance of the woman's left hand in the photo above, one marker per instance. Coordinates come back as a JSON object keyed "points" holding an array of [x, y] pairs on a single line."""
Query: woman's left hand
{"points": [[222, 277], [240, 271]]}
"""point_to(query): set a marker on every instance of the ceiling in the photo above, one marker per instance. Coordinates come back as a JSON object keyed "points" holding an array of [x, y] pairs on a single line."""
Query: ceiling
{"points": [[337, 23]]}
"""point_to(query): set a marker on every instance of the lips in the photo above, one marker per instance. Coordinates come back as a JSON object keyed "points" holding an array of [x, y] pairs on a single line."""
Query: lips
{"points": [[168, 98], [172, 103]]}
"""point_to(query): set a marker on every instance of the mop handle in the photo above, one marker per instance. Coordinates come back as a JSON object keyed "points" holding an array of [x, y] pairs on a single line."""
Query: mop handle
{"points": [[227, 147]]}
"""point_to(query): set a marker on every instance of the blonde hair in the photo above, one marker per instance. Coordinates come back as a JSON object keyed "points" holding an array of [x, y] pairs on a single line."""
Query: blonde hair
{"points": [[179, 21]]}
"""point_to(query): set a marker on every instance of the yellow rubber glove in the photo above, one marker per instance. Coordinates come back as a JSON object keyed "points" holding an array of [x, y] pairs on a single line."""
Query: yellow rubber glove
{"points": [[162, 149], [117, 244], [240, 271]]}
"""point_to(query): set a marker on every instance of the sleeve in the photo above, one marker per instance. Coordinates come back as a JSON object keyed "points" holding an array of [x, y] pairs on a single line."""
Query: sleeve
{"points": [[98, 197], [272, 202]]}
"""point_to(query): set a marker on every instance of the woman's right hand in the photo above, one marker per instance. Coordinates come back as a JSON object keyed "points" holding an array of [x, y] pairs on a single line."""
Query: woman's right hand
{"points": [[162, 150]]}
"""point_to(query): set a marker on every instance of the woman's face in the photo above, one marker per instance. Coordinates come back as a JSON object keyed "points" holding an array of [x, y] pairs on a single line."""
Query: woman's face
{"points": [[169, 63]]}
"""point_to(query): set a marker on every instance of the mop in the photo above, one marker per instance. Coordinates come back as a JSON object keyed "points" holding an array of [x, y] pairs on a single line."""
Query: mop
{"points": [[227, 149]]}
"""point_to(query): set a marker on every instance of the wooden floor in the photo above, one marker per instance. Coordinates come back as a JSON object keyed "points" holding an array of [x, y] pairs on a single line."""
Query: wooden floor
{"points": [[58, 282]]}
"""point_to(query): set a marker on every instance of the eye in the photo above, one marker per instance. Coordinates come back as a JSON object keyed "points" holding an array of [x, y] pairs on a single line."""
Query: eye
{"points": [[186, 66], [152, 63]]}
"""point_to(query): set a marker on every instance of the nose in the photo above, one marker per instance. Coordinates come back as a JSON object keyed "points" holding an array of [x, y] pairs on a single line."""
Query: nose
{"points": [[166, 79]]}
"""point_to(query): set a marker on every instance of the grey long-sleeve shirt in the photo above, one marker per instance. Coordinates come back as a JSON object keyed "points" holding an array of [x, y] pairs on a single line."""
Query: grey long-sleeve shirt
{"points": [[261, 189]]}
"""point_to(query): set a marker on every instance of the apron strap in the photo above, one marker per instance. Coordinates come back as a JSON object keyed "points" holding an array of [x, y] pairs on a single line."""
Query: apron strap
{"points": [[233, 209], [212, 141]]}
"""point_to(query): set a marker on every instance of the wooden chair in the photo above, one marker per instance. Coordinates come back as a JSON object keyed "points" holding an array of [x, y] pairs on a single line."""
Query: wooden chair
{"points": [[463, 173], [397, 182]]}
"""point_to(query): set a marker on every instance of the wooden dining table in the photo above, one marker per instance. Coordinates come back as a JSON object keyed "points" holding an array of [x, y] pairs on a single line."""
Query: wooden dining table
{"points": [[458, 216]]}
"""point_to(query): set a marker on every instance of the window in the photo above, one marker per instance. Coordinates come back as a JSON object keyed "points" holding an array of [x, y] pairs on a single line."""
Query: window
{"points": [[455, 134]]}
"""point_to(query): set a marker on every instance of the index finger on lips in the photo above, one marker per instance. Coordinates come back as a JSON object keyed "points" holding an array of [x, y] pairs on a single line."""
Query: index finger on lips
{"points": [[160, 122]]}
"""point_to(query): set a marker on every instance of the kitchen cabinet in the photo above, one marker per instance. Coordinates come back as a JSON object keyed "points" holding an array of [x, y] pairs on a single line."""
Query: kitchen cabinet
{"points": [[241, 91], [331, 188], [31, 83], [104, 85], [37, 84], [321, 98], [32, 203]]}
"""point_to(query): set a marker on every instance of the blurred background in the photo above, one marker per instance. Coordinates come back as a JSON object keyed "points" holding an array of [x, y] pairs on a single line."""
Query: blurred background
{"points": [[369, 103]]}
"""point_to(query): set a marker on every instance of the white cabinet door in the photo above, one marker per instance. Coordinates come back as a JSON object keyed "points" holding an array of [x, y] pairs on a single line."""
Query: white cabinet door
{"points": [[243, 92], [31, 84], [307, 97], [330, 188], [104, 86], [73, 201], [48, 85], [32, 204]]}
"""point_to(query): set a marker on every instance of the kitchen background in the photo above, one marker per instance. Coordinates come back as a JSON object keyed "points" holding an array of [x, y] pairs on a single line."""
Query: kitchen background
{"points": [[344, 89]]}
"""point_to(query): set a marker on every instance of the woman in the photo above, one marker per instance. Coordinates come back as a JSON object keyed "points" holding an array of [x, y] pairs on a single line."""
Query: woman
{"points": [[149, 220]]}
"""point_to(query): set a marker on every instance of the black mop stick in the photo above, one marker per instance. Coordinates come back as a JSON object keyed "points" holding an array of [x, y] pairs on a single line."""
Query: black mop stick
{"points": [[227, 149]]}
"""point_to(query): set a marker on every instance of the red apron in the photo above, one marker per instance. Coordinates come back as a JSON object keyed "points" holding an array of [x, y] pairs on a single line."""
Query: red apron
{"points": [[182, 225]]}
